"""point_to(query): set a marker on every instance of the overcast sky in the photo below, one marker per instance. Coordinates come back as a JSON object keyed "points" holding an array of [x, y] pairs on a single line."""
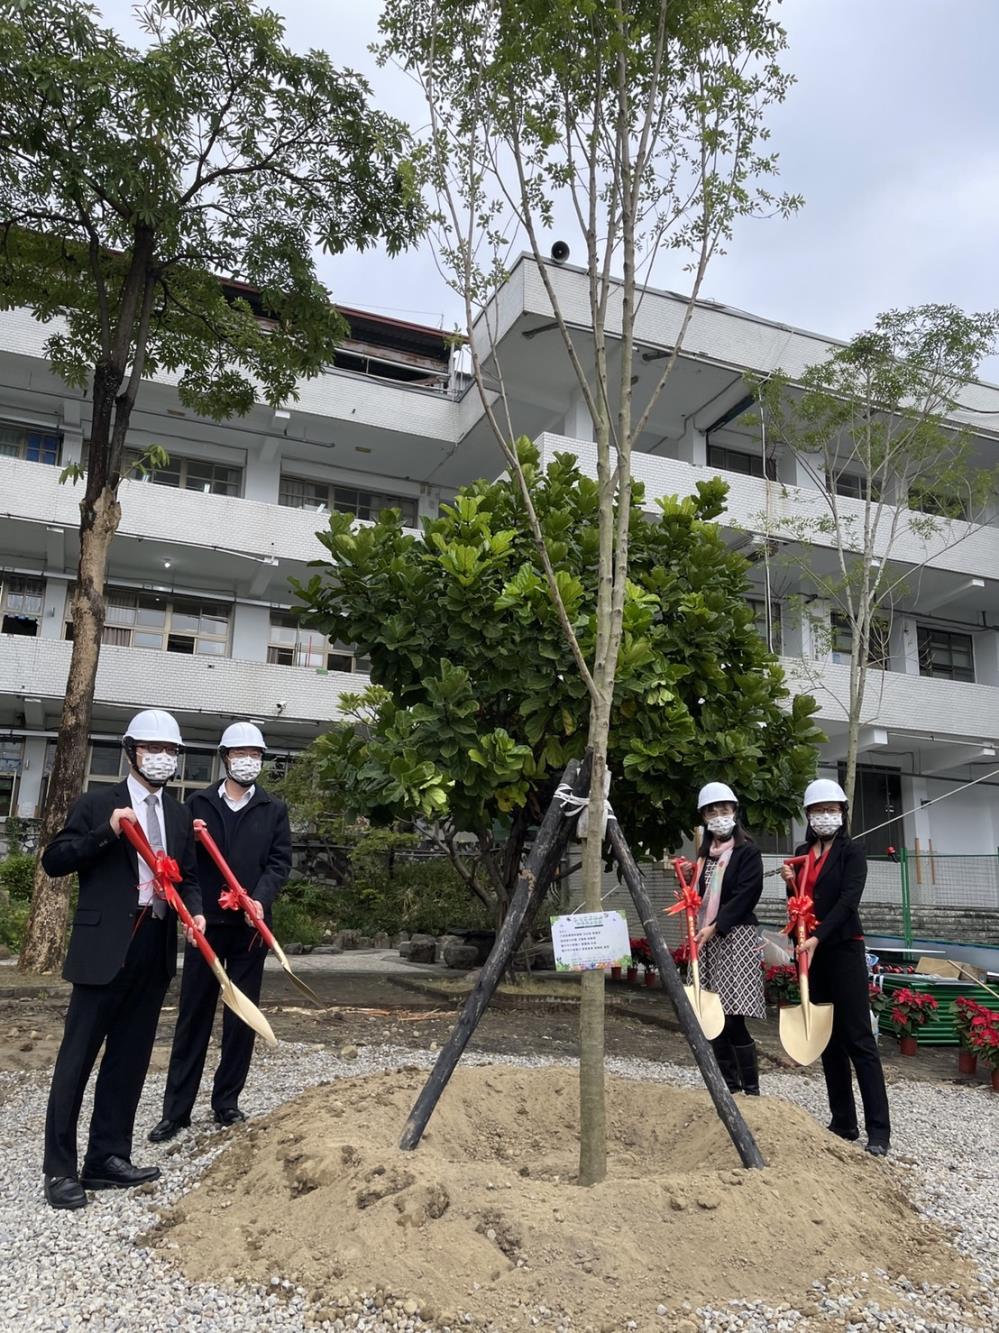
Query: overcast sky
{"points": [[891, 133]]}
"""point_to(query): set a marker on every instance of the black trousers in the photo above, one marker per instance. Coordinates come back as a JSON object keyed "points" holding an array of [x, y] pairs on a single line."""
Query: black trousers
{"points": [[122, 1016], [838, 976], [242, 954]]}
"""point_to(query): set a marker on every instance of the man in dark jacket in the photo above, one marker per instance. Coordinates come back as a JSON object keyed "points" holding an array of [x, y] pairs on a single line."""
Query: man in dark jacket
{"points": [[252, 831], [122, 955]]}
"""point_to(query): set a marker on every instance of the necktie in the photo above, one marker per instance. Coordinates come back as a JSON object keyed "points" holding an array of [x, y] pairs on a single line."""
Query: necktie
{"points": [[155, 836]]}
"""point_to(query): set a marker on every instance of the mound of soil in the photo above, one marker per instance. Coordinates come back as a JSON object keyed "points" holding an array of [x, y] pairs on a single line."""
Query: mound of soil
{"points": [[484, 1216]]}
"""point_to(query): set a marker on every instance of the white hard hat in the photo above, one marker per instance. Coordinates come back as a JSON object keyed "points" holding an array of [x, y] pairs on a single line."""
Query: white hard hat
{"points": [[713, 792], [823, 789], [153, 724], [242, 734]]}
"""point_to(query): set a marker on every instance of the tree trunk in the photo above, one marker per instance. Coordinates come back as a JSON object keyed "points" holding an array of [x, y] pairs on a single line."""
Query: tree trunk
{"points": [[592, 1110], [45, 935]]}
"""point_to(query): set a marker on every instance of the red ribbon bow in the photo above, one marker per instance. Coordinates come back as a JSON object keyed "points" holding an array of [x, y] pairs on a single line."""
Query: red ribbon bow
{"points": [[687, 900], [799, 910], [165, 871], [229, 900]]}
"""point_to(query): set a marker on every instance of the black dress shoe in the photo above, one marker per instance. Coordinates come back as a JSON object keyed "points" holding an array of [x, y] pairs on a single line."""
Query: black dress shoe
{"points": [[229, 1115], [64, 1192], [115, 1173], [851, 1135], [166, 1129], [877, 1149]]}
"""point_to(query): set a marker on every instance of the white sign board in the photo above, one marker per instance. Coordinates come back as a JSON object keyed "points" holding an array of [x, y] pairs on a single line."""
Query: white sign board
{"points": [[590, 940]]}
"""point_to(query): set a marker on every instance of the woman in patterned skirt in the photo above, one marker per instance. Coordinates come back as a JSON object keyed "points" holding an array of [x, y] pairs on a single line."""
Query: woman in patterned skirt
{"points": [[730, 881]]}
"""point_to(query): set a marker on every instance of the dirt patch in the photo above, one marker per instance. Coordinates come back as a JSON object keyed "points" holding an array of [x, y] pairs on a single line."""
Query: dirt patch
{"points": [[484, 1216]]}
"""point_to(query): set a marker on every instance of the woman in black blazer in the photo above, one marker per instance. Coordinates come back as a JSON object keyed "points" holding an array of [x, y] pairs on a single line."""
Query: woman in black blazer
{"points": [[730, 881], [837, 967]]}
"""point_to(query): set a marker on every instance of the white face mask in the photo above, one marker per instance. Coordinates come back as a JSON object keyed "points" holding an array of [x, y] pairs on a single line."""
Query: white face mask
{"points": [[158, 768], [825, 825], [721, 825], [245, 770]]}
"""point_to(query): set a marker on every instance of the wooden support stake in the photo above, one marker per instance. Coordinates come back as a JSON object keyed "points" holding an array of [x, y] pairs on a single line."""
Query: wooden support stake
{"points": [[732, 1118], [532, 884]]}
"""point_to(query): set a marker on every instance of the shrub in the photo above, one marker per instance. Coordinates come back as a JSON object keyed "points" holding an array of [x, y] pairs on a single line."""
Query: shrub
{"points": [[303, 913], [394, 894], [16, 877], [13, 920]]}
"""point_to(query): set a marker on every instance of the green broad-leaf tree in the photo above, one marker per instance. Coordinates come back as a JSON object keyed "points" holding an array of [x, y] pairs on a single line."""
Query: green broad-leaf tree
{"points": [[883, 430], [640, 128], [475, 705], [160, 210]]}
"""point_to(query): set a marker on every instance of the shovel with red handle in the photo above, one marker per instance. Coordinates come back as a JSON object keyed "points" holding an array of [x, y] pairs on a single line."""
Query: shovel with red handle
{"points": [[705, 1003], [166, 874], [805, 1028], [236, 897]]}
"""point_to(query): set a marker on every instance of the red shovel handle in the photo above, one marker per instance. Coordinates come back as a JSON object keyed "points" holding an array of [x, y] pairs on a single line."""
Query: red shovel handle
{"points": [[166, 874], [687, 897], [235, 888]]}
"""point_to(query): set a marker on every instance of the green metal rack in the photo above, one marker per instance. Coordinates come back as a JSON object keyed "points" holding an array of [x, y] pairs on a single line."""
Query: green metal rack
{"points": [[939, 1030]]}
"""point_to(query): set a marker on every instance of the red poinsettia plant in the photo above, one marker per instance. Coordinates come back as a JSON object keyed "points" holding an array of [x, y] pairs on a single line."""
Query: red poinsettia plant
{"points": [[780, 984], [983, 1039], [641, 953], [966, 1011], [909, 1010]]}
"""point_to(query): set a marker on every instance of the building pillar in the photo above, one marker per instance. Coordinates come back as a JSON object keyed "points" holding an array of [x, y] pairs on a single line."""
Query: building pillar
{"points": [[904, 646], [986, 650], [54, 609], [692, 446], [262, 479], [29, 787], [578, 422], [251, 626]]}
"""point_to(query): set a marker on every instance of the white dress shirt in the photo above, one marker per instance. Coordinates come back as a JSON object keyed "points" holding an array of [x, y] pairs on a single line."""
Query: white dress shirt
{"points": [[137, 794], [236, 805]]}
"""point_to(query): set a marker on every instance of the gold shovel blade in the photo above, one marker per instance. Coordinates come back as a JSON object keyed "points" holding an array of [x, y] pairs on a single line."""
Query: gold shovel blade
{"points": [[805, 1030], [282, 958], [242, 1006], [708, 1008]]}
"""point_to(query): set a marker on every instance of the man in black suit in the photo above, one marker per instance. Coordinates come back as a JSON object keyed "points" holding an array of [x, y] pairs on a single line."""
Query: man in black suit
{"points": [[252, 831], [122, 955]]}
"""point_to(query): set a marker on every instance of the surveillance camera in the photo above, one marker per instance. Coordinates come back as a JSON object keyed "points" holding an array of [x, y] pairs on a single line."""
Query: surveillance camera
{"points": [[560, 252], [281, 705]]}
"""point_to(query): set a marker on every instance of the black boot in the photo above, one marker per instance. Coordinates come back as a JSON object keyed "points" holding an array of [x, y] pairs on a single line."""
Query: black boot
{"points": [[749, 1068], [725, 1055]]}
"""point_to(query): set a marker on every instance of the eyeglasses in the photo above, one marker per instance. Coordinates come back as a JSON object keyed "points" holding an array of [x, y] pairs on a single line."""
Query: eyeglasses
{"points": [[157, 747]]}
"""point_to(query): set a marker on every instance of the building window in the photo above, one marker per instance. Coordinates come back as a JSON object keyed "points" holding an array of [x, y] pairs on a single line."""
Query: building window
{"points": [[733, 460], [293, 644], [191, 474], [852, 485], [11, 755], [195, 768], [937, 502], [21, 605], [758, 607], [878, 643], [34, 446], [174, 624], [945, 654], [299, 493]]}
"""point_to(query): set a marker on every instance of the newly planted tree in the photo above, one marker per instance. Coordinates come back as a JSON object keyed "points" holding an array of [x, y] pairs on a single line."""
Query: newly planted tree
{"points": [[880, 431], [640, 126], [161, 210]]}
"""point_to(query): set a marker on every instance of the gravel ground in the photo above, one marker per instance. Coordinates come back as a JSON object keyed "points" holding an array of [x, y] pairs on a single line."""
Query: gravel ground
{"points": [[64, 1272]]}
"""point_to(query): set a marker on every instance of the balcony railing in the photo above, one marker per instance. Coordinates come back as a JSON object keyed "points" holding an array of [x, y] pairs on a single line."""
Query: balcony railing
{"points": [[144, 678]]}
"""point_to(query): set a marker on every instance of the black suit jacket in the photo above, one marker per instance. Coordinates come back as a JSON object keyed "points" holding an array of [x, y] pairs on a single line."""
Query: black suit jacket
{"points": [[257, 847], [108, 869], [742, 886], [838, 890]]}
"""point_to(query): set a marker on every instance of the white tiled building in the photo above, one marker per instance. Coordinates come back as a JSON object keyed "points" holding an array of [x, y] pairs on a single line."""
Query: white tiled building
{"points": [[198, 584]]}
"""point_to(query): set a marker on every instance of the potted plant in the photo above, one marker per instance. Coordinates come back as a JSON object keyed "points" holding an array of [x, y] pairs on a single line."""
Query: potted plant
{"points": [[780, 985], [965, 1011], [983, 1039], [908, 1011]]}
